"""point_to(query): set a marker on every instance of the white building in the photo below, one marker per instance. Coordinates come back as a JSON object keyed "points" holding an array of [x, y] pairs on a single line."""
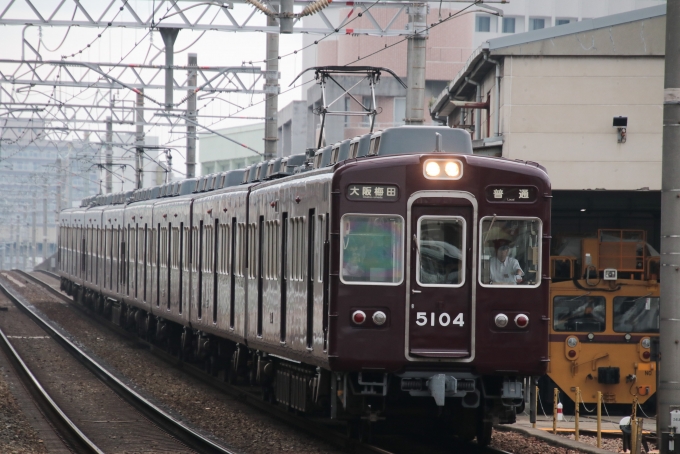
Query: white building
{"points": [[561, 91]]}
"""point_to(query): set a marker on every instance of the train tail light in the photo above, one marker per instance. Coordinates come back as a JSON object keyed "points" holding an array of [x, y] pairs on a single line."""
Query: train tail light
{"points": [[359, 317], [522, 321]]}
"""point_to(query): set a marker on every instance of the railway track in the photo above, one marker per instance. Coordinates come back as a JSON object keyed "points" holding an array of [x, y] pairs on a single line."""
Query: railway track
{"points": [[385, 444], [93, 410]]}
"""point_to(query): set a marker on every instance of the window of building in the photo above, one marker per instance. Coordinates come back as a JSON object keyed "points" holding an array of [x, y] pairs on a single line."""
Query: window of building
{"points": [[508, 25], [399, 111], [536, 24], [562, 21], [483, 24]]}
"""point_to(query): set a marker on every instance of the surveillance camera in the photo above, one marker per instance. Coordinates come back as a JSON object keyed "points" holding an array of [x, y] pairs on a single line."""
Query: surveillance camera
{"points": [[620, 122]]}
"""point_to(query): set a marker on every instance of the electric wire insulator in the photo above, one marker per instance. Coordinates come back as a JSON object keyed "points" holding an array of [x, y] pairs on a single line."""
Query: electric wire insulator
{"points": [[315, 7], [262, 8]]}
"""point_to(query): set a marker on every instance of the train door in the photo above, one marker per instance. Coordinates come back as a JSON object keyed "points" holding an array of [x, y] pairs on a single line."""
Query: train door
{"points": [[440, 306]]}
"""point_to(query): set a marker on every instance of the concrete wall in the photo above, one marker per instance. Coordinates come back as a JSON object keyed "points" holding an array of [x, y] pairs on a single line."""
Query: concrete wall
{"points": [[216, 154], [292, 129], [559, 111]]}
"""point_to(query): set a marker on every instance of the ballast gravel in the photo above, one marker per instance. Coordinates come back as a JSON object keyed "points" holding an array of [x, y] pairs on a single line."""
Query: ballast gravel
{"points": [[243, 428]]}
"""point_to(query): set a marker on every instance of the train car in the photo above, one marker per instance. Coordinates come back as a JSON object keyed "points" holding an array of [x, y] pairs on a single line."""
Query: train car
{"points": [[605, 316], [408, 280]]}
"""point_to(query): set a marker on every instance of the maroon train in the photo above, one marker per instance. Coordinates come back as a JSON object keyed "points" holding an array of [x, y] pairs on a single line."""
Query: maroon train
{"points": [[392, 275]]}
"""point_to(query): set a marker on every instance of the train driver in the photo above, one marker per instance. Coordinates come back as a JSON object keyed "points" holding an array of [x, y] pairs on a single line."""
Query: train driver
{"points": [[505, 270]]}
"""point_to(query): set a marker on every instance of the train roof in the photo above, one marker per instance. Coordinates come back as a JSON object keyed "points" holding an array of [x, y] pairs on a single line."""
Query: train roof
{"points": [[392, 141]]}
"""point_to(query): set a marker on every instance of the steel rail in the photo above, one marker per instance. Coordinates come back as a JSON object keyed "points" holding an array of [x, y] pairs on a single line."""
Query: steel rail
{"points": [[316, 429], [156, 415], [68, 431]]}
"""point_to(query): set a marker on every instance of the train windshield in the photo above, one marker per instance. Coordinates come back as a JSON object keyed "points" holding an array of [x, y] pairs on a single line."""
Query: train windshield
{"points": [[440, 242], [636, 314], [510, 252], [372, 249], [579, 313]]}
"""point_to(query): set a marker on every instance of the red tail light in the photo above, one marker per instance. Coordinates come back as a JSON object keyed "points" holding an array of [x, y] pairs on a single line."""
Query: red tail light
{"points": [[522, 321], [646, 355], [571, 353], [358, 317]]}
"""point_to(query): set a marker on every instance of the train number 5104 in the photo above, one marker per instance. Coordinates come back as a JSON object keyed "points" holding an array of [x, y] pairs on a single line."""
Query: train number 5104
{"points": [[444, 319]]}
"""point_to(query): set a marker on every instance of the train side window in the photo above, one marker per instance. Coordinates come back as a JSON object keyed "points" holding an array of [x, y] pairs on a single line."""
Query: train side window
{"points": [[241, 256], [321, 232], [372, 249], [175, 247], [579, 313], [636, 314], [441, 246], [510, 252]]}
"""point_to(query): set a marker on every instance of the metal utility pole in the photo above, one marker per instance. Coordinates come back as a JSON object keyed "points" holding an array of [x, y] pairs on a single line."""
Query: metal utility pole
{"points": [[415, 64], [169, 36], [109, 156], [139, 121], [10, 245], [271, 87], [669, 347], [17, 244], [33, 243], [44, 230], [191, 116], [25, 254]]}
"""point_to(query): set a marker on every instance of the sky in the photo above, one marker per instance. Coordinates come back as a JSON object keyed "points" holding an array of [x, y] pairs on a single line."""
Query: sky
{"points": [[136, 46]]}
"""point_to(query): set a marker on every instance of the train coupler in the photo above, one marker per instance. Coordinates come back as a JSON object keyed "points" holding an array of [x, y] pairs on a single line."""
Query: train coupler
{"points": [[439, 386]]}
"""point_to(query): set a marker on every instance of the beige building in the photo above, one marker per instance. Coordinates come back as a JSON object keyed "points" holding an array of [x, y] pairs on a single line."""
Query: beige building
{"points": [[560, 89]]}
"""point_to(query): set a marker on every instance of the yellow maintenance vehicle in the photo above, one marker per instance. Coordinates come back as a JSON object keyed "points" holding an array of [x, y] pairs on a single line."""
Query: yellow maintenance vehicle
{"points": [[604, 306]]}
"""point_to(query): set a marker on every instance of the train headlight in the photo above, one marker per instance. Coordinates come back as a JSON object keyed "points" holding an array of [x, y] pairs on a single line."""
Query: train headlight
{"points": [[452, 169], [646, 343], [432, 169], [443, 169], [572, 342], [379, 318]]}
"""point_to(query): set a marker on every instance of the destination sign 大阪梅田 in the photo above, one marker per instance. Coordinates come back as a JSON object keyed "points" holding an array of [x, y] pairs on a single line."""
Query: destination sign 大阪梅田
{"points": [[372, 192]]}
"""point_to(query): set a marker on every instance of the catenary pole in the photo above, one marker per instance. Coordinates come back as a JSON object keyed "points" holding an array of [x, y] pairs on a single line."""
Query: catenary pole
{"points": [[416, 54], [33, 230], [271, 85], [109, 157], [169, 35], [139, 139], [191, 116], [669, 346], [44, 227]]}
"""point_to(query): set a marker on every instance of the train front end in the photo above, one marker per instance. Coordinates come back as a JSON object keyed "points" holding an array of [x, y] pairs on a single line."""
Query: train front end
{"points": [[438, 294]]}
